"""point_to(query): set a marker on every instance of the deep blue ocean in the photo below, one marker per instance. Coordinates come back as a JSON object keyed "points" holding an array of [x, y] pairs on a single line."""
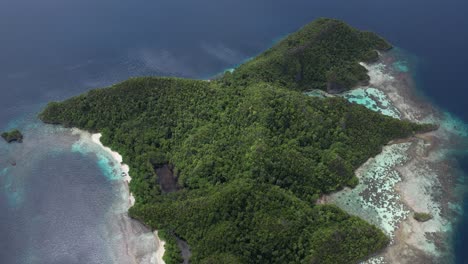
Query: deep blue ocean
{"points": [[53, 203]]}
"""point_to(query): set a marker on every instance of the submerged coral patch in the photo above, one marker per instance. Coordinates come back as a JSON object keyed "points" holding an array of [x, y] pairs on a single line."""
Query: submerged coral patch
{"points": [[454, 125], [111, 170], [374, 199], [401, 66], [373, 99], [14, 194]]}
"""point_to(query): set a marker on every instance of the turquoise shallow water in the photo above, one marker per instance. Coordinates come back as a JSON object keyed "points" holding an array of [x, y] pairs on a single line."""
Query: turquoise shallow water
{"points": [[109, 169], [401, 66], [373, 99]]}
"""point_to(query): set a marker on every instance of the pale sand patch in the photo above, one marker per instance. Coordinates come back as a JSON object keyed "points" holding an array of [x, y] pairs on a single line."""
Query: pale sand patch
{"points": [[161, 248]]}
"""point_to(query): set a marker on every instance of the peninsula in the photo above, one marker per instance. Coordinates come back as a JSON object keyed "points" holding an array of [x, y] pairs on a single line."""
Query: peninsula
{"points": [[233, 167]]}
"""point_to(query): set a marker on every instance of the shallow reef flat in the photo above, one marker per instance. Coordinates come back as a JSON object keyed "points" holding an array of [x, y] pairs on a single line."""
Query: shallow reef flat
{"points": [[373, 99], [410, 176], [375, 199]]}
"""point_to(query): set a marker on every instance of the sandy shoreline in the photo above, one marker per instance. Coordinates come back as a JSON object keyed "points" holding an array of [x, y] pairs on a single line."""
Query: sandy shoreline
{"points": [[132, 247], [411, 175], [118, 158]]}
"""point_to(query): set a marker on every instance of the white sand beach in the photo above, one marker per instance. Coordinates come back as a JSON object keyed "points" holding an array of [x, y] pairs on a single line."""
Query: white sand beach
{"points": [[132, 242], [158, 256]]}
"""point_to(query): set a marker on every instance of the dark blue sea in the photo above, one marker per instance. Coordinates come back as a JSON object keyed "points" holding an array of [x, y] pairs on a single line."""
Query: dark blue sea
{"points": [[56, 203]]}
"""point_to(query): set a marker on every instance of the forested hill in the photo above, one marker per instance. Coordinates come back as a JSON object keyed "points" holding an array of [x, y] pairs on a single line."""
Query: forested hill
{"points": [[324, 54], [249, 159]]}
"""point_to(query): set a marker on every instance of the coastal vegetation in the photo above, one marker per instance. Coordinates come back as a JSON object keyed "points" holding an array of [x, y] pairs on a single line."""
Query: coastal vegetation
{"points": [[12, 136], [172, 252], [422, 217], [250, 152]]}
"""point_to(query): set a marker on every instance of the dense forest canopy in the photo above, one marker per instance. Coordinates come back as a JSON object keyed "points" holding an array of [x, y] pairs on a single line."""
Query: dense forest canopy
{"points": [[249, 151]]}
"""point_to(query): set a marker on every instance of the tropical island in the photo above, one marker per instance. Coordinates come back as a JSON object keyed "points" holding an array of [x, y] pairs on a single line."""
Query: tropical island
{"points": [[233, 167], [13, 136]]}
